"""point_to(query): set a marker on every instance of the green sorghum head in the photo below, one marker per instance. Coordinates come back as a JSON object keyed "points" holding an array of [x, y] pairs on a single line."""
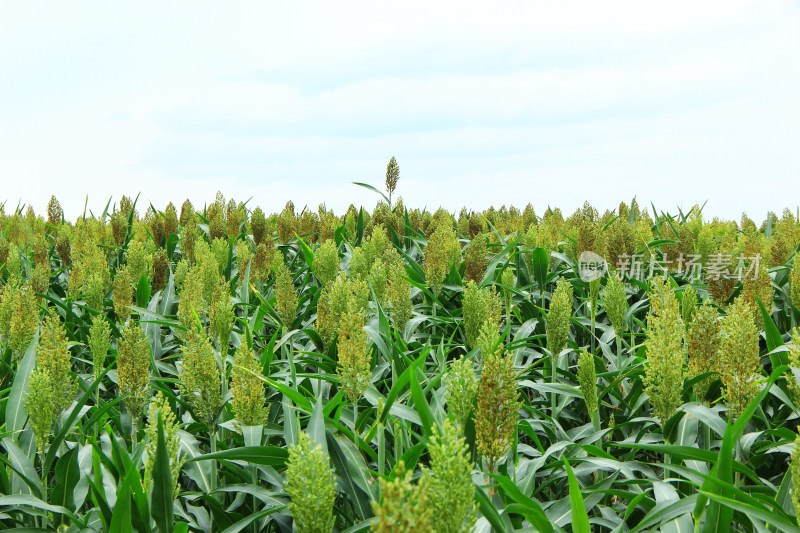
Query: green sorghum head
{"points": [[404, 505], [688, 305], [558, 317], [123, 295], [702, 343], [217, 225], [377, 279], [739, 357], [392, 175], [181, 269], [219, 250], [170, 219], [587, 378], [258, 225], [333, 303], [133, 369], [243, 255], [475, 261], [616, 303], [665, 355], [160, 406], [221, 316], [262, 260], [39, 404], [480, 306], [757, 289], [139, 261], [53, 356], [119, 227], [287, 223], [398, 293], [359, 264], [188, 215], [64, 248], [99, 341], [326, 262], [236, 216], [794, 282], [248, 390], [40, 279], [794, 362], [285, 294], [354, 358], [55, 214], [156, 224], [794, 468], [461, 387], [160, 270], [442, 251], [24, 320], [451, 493], [311, 486], [496, 416], [200, 379]]}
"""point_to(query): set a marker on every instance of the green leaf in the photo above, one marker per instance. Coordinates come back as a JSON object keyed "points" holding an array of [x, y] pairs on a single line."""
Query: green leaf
{"points": [[580, 520], [143, 291], [16, 415], [161, 499], [258, 455], [541, 264]]}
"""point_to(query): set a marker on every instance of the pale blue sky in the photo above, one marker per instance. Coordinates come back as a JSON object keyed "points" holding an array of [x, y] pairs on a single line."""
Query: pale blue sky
{"points": [[518, 102]]}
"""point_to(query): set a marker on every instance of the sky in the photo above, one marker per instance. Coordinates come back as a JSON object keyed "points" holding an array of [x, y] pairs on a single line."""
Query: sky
{"points": [[548, 103]]}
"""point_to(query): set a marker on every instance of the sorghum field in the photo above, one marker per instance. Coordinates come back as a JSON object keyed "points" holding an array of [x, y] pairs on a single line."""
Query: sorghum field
{"points": [[218, 368]]}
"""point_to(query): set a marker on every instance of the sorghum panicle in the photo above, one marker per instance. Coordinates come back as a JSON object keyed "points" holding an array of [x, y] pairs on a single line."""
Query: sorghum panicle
{"points": [[665, 356], [702, 342], [99, 341], [200, 379], [354, 357], [461, 388], [285, 294], [404, 506], [248, 390], [587, 378], [616, 303], [794, 362], [480, 306], [160, 406], [558, 317], [451, 493], [123, 295], [311, 486], [53, 356], [739, 357], [496, 416], [133, 369]]}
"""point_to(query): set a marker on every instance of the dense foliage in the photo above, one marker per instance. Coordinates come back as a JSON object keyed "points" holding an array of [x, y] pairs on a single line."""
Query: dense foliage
{"points": [[225, 369]]}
